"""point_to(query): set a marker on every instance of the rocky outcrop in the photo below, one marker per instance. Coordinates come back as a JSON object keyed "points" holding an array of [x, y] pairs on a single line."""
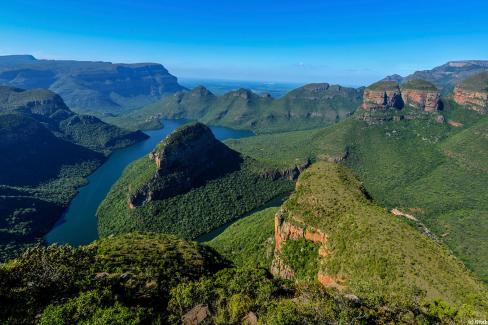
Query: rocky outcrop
{"points": [[422, 95], [285, 230], [291, 173], [382, 95], [196, 315], [187, 158], [474, 100]]}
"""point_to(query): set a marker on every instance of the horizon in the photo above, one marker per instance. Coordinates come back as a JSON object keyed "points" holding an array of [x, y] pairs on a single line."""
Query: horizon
{"points": [[353, 42]]}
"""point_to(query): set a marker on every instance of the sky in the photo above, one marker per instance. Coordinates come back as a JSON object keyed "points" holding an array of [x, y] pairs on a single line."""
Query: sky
{"points": [[351, 42]]}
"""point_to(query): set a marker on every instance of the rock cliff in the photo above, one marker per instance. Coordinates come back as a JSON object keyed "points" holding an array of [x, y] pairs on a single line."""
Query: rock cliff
{"points": [[421, 94], [102, 86], [382, 95], [186, 159], [473, 93]]}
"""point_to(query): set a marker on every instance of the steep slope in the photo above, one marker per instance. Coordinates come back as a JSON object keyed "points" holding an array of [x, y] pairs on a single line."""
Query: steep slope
{"points": [[433, 171], [313, 105], [160, 279], [190, 184], [91, 86], [421, 94], [329, 230], [249, 241], [49, 109], [47, 150], [473, 93]]}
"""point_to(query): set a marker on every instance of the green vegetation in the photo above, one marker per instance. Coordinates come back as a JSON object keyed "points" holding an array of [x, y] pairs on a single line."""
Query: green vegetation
{"points": [[446, 76], [248, 241], [192, 213], [123, 279], [372, 253], [419, 84], [96, 87], [159, 279], [310, 106], [383, 85], [477, 82], [47, 151], [434, 171], [302, 256]]}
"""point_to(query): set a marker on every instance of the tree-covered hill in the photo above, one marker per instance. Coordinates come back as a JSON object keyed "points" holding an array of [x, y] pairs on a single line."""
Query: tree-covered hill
{"points": [[189, 185], [310, 106], [47, 150], [431, 170]]}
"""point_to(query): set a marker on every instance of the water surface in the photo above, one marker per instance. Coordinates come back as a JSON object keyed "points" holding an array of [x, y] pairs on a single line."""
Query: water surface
{"points": [[78, 225]]}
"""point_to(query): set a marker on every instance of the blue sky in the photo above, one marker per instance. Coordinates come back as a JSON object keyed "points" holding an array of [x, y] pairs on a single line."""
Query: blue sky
{"points": [[352, 42]]}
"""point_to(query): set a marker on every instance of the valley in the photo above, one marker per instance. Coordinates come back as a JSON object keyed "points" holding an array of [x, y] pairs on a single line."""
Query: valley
{"points": [[327, 204], [78, 225]]}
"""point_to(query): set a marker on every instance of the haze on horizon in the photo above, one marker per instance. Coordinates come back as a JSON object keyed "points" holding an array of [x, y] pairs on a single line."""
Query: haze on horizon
{"points": [[352, 42]]}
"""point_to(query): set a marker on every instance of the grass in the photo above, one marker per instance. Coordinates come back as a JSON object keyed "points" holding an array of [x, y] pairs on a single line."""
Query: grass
{"points": [[379, 257], [435, 170], [384, 85], [154, 278], [248, 241], [419, 84], [477, 82], [193, 213]]}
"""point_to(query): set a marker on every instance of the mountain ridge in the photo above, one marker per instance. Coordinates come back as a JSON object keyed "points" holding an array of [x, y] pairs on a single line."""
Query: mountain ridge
{"points": [[91, 86]]}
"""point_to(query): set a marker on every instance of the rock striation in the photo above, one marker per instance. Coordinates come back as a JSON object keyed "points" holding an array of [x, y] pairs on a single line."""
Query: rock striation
{"points": [[421, 94], [286, 230], [416, 93], [187, 158], [86, 85], [473, 93], [382, 95]]}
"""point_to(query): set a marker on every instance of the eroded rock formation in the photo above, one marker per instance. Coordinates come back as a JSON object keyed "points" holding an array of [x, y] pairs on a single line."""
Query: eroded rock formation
{"points": [[186, 159], [474, 100], [286, 230], [382, 95]]}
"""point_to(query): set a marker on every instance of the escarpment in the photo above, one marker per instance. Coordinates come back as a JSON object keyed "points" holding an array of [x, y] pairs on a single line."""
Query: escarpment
{"points": [[422, 95], [473, 93], [329, 231], [382, 95], [416, 93], [186, 159]]}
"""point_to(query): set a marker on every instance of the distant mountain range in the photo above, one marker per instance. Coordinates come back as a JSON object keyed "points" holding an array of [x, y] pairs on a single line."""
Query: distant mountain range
{"points": [[313, 105], [101, 87], [446, 76]]}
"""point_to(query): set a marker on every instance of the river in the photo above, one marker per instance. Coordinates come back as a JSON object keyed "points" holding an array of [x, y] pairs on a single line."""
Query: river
{"points": [[78, 225]]}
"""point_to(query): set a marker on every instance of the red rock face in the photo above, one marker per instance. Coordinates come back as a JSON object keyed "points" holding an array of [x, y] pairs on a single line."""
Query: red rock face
{"points": [[287, 231], [428, 101], [374, 99], [474, 100]]}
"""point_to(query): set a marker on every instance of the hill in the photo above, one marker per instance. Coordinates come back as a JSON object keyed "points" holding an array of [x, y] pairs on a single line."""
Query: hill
{"points": [[91, 86], [189, 185], [358, 246], [47, 150], [310, 106], [154, 278], [446, 76], [473, 92], [427, 169]]}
